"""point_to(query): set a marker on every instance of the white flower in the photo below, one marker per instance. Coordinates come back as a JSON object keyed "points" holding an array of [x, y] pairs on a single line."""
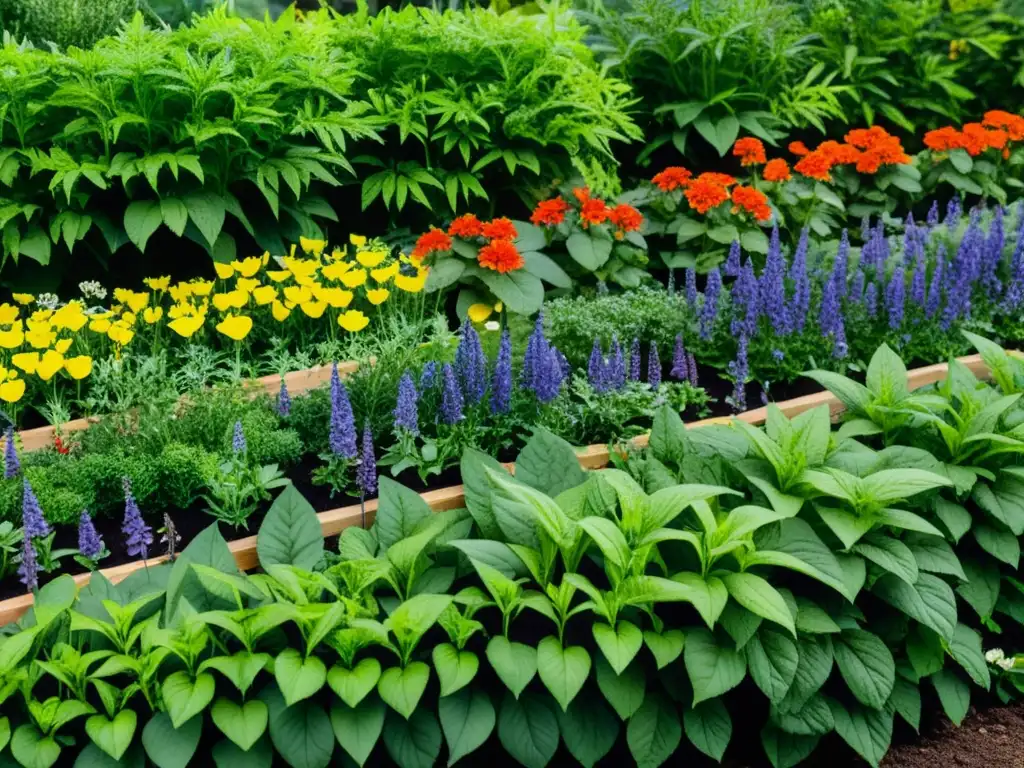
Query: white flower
{"points": [[994, 656], [91, 289], [48, 300], [1006, 664], [492, 325]]}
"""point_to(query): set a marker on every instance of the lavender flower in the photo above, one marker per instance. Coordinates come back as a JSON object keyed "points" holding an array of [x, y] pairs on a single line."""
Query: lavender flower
{"points": [[740, 370], [918, 282], [501, 382], [771, 287], [32, 519], [964, 269], [801, 305], [691, 366], [470, 365], [895, 297], [366, 472], [830, 310], [865, 228], [933, 214], [732, 263], [552, 372], [406, 414], [451, 396], [935, 289], [137, 535], [654, 367], [634, 360], [342, 437], [284, 401], [428, 376], [535, 359], [12, 466], [745, 302], [679, 370], [90, 545], [29, 568], [709, 310], [856, 294], [992, 254], [238, 444], [1015, 287], [691, 287], [871, 299], [953, 212], [616, 372], [596, 369], [840, 263]]}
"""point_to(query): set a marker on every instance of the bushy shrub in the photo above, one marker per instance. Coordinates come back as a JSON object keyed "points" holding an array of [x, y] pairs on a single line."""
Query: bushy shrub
{"points": [[184, 471], [267, 442], [65, 22]]}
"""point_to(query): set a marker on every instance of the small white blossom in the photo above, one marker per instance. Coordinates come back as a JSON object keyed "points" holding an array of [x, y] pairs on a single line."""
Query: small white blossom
{"points": [[994, 656], [1006, 664], [48, 300], [92, 289]]}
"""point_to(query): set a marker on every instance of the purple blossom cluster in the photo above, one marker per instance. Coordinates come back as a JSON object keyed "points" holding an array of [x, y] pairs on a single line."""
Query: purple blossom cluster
{"points": [[501, 379], [366, 472], [545, 368], [12, 466], [284, 401], [406, 409], [342, 435], [470, 365], [137, 535], [90, 544], [607, 373]]}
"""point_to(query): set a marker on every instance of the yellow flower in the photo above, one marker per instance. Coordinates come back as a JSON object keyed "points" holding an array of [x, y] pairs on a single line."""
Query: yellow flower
{"points": [[23, 298], [247, 284], [354, 279], [51, 362], [26, 361], [377, 295], [314, 309], [40, 336], [335, 270], [357, 240], [63, 345], [180, 292], [264, 294], [479, 312], [186, 326], [70, 316], [338, 298], [158, 283], [315, 247], [371, 259], [120, 334], [224, 271], [235, 327], [280, 311], [128, 319], [230, 300], [13, 338], [78, 367], [297, 294], [353, 320], [412, 284], [8, 313], [278, 275], [152, 314], [201, 287], [249, 266], [301, 268], [100, 324], [384, 274], [12, 390], [337, 255]]}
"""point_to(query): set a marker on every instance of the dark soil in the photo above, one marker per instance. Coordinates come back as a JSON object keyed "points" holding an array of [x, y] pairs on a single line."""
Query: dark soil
{"points": [[992, 738]]}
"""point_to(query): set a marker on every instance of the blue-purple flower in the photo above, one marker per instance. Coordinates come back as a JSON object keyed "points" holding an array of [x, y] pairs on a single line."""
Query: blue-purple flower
{"points": [[90, 545], [238, 443], [406, 411], [679, 370], [691, 287], [634, 360], [284, 401], [428, 376], [895, 297], [935, 289], [746, 305], [552, 371], [740, 370], [28, 571], [366, 472], [471, 365], [12, 466], [953, 212], [871, 299], [451, 396], [137, 535], [801, 304], [32, 519], [933, 214], [654, 367], [732, 263], [709, 309], [691, 366], [772, 288], [596, 368], [501, 382], [535, 359], [616, 373], [342, 437]]}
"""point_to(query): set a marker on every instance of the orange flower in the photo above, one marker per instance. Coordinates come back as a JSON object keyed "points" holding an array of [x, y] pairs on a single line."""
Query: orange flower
{"points": [[869, 138], [718, 178], [977, 138], [593, 211], [749, 150], [434, 240], [944, 139], [798, 148], [776, 170], [626, 218], [1012, 124], [550, 212], [500, 229], [752, 201], [838, 154], [672, 178], [501, 256], [705, 193], [582, 194], [815, 165], [465, 226]]}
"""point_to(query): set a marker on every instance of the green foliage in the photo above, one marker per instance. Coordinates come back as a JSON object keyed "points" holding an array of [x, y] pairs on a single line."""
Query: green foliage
{"points": [[65, 22]]}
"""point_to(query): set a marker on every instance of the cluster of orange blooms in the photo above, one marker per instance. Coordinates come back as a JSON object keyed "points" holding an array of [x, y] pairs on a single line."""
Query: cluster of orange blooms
{"points": [[711, 189], [498, 253], [867, 149], [592, 210], [996, 130]]}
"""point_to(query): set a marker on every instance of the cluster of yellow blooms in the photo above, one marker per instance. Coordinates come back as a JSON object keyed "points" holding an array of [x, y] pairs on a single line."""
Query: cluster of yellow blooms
{"points": [[312, 285]]}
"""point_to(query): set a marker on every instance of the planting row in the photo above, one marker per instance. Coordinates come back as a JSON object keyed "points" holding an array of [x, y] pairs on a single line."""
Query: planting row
{"points": [[819, 582]]}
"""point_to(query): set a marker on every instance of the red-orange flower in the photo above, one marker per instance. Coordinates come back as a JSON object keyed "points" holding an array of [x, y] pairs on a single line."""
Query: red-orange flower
{"points": [[500, 229], [838, 154], [672, 178], [749, 150], [815, 165], [776, 170], [798, 148], [626, 218], [752, 201], [550, 212], [593, 211], [869, 138], [465, 226], [582, 194], [705, 193], [501, 256], [718, 178], [977, 138], [1012, 124], [944, 139], [429, 242]]}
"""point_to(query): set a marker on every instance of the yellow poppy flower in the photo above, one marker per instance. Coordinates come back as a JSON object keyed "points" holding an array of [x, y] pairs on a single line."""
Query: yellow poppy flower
{"points": [[230, 300], [186, 326], [99, 324], [337, 254], [249, 266], [302, 268], [247, 284], [224, 271], [338, 298], [479, 312], [201, 287], [383, 274], [8, 313], [278, 275], [152, 314], [377, 295], [120, 334], [23, 298], [78, 367], [412, 284], [354, 279], [180, 292], [40, 337], [158, 283], [357, 240], [314, 309], [353, 320], [50, 363], [63, 345], [371, 259], [297, 294], [235, 327], [264, 294], [335, 270], [26, 361], [12, 339], [315, 247], [70, 316], [128, 319], [280, 311], [12, 390]]}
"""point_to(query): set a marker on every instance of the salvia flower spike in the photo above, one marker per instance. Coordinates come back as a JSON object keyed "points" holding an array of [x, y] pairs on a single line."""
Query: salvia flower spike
{"points": [[342, 437], [12, 465], [28, 571], [501, 382], [137, 535], [284, 401], [406, 413], [238, 442], [32, 519], [90, 545]]}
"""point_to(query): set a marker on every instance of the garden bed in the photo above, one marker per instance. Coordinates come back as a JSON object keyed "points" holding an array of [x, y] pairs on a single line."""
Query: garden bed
{"points": [[334, 520]]}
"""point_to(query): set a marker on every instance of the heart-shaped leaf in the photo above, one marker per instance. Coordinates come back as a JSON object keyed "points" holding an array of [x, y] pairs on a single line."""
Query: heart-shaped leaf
{"points": [[352, 685], [665, 646], [455, 668], [170, 747], [298, 677], [562, 670], [112, 736], [242, 723], [357, 729], [619, 645], [515, 663], [185, 698], [401, 688]]}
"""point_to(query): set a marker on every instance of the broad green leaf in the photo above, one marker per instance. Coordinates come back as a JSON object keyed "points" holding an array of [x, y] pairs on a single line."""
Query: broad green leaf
{"points": [[966, 649], [401, 688], [813, 719], [33, 750], [549, 464], [853, 395], [772, 659], [981, 590], [588, 251], [528, 729], [562, 670], [514, 663], [242, 723], [208, 548], [141, 219], [589, 729], [713, 668], [739, 623], [709, 728], [999, 542], [654, 732], [302, 733], [925, 651], [934, 555], [185, 698], [665, 646], [889, 553], [758, 596], [931, 600], [477, 491], [112, 736], [867, 731], [906, 700], [708, 597], [455, 668], [290, 533], [619, 645], [519, 291], [954, 693], [547, 269], [358, 729], [413, 743], [467, 719], [867, 667], [170, 747], [786, 750], [887, 376], [399, 511], [298, 677], [954, 517], [624, 692], [813, 619], [352, 685], [493, 553]]}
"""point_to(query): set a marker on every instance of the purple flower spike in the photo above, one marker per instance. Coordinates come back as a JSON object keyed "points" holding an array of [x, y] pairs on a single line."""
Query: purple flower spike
{"points": [[238, 443], [953, 212], [691, 287], [801, 305], [634, 360], [596, 369], [284, 401], [12, 465], [935, 289], [552, 373], [342, 438], [654, 367], [679, 370], [137, 535], [933, 214], [451, 396], [28, 571], [692, 369], [90, 545], [740, 370], [32, 519], [535, 359], [871, 299], [709, 309], [771, 287], [366, 472], [616, 366], [732, 263], [428, 376], [470, 365], [895, 297], [406, 413], [501, 383]]}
